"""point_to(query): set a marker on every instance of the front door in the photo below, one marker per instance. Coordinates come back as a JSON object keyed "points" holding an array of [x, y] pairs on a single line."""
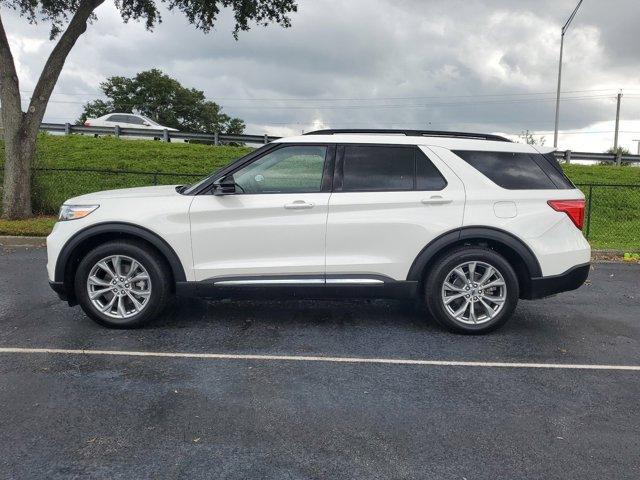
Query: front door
{"points": [[272, 228]]}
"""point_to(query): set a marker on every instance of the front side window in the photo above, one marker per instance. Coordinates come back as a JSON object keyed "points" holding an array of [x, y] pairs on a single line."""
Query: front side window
{"points": [[293, 169]]}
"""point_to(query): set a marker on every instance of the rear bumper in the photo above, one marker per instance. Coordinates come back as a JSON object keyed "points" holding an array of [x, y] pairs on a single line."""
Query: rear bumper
{"points": [[567, 281]]}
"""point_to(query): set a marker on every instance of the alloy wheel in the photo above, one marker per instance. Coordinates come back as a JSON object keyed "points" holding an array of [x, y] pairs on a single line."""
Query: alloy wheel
{"points": [[474, 292], [119, 286]]}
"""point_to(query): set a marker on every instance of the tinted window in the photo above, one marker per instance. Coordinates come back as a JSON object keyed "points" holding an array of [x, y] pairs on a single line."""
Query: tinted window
{"points": [[378, 168], [552, 168], [515, 171], [294, 169], [427, 175], [118, 118], [135, 120]]}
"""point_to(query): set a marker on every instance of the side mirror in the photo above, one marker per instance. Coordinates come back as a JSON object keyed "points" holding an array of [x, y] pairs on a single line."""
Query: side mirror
{"points": [[224, 186]]}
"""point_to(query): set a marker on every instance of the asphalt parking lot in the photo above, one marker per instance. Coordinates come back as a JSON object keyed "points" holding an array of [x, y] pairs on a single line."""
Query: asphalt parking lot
{"points": [[74, 415]]}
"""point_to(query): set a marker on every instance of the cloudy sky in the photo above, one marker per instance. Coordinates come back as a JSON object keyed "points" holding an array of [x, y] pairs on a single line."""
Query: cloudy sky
{"points": [[475, 65]]}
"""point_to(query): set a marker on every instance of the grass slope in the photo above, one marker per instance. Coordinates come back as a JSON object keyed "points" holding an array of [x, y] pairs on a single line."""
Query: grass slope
{"points": [[614, 223], [52, 188], [583, 174]]}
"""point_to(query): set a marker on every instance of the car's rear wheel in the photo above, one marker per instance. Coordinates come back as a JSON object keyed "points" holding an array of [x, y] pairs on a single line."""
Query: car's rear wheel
{"points": [[122, 284], [472, 290]]}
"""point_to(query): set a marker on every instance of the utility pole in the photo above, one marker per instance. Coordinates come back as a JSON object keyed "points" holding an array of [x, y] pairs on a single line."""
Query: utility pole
{"points": [[555, 131], [615, 138], [564, 30]]}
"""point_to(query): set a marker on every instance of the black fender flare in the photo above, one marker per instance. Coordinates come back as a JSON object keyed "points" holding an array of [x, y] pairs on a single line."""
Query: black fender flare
{"points": [[480, 233], [119, 228]]}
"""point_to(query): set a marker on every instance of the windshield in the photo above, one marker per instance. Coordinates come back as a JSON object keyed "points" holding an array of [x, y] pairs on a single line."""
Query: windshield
{"points": [[190, 189]]}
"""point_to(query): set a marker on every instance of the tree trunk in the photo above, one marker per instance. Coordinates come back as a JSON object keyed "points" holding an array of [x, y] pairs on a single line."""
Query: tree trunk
{"points": [[21, 128], [20, 150]]}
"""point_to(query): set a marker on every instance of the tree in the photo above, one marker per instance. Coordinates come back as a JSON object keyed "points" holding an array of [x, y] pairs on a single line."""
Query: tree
{"points": [[163, 99], [69, 20], [616, 151], [530, 139]]}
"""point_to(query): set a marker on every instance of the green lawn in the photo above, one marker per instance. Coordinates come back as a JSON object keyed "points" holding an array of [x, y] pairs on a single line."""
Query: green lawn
{"points": [[33, 227], [615, 211]]}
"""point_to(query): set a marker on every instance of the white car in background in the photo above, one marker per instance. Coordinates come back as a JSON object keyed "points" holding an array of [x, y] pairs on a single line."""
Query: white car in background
{"points": [[126, 120]]}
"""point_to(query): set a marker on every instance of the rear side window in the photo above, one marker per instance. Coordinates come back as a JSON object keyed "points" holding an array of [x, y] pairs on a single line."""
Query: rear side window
{"points": [[135, 120], [427, 175], [387, 168], [516, 170], [377, 168]]}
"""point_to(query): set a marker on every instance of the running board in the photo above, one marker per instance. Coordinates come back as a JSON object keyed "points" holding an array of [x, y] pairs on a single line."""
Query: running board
{"points": [[355, 286], [300, 281]]}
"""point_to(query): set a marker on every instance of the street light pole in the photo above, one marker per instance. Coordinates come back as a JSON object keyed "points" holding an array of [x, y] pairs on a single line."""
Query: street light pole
{"points": [[564, 30], [638, 145]]}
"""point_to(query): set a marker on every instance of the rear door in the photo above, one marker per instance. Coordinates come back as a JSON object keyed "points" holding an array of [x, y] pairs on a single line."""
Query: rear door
{"points": [[388, 203]]}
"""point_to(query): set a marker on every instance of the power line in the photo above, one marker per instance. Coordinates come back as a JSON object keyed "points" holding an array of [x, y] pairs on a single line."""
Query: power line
{"points": [[321, 99], [383, 105]]}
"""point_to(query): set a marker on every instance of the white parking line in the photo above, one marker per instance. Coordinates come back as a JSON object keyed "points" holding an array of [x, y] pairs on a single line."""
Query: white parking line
{"points": [[298, 358]]}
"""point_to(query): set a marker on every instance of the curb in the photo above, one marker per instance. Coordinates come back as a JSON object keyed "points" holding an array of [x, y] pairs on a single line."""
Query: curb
{"points": [[15, 241]]}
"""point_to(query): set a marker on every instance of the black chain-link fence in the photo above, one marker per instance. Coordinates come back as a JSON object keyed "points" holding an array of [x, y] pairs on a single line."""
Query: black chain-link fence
{"points": [[52, 186], [612, 217]]}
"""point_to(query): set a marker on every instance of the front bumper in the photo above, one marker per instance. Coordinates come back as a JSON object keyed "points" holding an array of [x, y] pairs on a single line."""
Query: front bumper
{"points": [[570, 280], [62, 293], [60, 289]]}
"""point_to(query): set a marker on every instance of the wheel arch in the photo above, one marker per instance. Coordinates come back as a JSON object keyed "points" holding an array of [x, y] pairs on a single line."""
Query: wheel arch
{"points": [[515, 251], [86, 239]]}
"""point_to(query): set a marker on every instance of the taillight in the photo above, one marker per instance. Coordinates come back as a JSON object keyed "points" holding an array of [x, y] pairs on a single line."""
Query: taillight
{"points": [[573, 208]]}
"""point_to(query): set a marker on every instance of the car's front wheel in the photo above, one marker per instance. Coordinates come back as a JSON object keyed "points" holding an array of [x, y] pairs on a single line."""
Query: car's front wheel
{"points": [[472, 290], [122, 284]]}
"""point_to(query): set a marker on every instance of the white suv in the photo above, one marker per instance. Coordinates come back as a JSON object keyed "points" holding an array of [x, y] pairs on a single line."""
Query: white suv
{"points": [[468, 222]]}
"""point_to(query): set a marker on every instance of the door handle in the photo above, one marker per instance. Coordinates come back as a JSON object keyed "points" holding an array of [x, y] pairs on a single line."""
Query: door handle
{"points": [[436, 200], [298, 205]]}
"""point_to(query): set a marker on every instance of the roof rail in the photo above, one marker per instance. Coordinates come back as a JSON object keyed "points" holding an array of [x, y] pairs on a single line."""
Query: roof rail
{"points": [[412, 133]]}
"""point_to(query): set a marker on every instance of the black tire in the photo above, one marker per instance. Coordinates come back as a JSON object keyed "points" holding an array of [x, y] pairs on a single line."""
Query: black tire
{"points": [[439, 273], [151, 261]]}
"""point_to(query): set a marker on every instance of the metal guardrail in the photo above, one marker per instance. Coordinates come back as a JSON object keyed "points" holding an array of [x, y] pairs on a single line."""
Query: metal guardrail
{"points": [[217, 138], [162, 134], [568, 156]]}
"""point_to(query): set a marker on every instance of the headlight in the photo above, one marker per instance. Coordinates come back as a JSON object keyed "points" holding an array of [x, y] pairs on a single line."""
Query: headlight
{"points": [[73, 212]]}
